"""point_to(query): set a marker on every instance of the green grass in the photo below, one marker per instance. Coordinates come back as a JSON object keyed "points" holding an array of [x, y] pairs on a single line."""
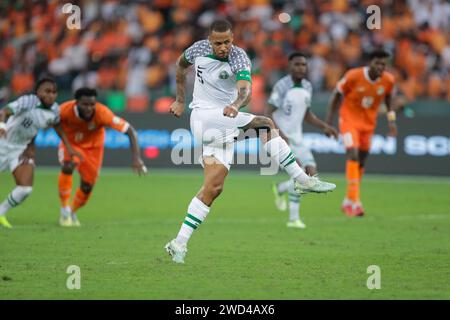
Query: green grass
{"points": [[242, 251]]}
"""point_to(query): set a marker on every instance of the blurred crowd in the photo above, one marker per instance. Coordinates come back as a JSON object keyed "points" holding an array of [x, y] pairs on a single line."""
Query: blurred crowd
{"points": [[132, 46]]}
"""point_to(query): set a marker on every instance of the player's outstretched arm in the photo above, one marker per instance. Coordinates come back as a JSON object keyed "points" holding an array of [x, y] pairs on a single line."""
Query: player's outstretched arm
{"points": [[390, 116], [177, 107], [333, 106], [138, 165], [312, 119], [5, 113], [244, 89], [65, 140]]}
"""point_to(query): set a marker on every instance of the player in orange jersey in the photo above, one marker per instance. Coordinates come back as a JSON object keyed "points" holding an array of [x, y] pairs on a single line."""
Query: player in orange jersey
{"points": [[83, 120], [363, 90]]}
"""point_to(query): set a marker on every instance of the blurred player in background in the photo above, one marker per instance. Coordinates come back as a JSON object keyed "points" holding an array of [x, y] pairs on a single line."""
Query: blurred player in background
{"points": [[289, 106], [20, 122], [223, 86], [84, 121], [362, 90]]}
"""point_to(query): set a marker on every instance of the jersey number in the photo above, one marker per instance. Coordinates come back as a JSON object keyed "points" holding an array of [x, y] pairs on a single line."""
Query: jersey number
{"points": [[27, 122], [367, 102], [199, 74]]}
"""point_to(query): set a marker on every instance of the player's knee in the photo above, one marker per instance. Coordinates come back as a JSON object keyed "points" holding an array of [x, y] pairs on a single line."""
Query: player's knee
{"points": [[352, 155], [261, 122], [67, 168], [86, 187], [267, 123]]}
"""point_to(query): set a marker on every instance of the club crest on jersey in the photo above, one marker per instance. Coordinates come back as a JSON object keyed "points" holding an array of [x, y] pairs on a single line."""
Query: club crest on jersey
{"points": [[116, 120], [91, 126], [380, 91], [78, 136], [224, 75]]}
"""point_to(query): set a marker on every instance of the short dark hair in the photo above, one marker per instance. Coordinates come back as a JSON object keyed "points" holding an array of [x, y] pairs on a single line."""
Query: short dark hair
{"points": [[220, 25], [379, 54], [296, 54], [43, 80], [87, 92]]}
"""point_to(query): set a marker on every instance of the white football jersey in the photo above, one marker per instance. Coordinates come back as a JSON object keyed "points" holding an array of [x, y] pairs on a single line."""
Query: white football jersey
{"points": [[292, 101], [29, 115], [215, 79]]}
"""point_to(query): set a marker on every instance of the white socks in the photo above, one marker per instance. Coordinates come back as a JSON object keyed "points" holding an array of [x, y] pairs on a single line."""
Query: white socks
{"points": [[294, 204], [16, 197], [284, 186], [65, 211], [278, 149], [197, 212]]}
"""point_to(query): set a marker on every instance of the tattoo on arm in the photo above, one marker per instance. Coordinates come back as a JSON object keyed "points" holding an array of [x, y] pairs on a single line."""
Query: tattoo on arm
{"points": [[243, 98], [180, 77]]}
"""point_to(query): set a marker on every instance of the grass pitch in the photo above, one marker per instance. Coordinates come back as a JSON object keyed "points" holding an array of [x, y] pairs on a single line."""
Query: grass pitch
{"points": [[242, 251]]}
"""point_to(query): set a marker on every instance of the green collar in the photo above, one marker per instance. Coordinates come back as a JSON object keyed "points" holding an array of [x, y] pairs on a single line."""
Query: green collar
{"points": [[213, 56], [298, 85], [41, 106]]}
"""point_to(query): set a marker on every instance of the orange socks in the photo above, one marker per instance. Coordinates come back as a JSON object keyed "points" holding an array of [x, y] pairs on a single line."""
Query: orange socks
{"points": [[65, 188], [353, 180], [79, 200]]}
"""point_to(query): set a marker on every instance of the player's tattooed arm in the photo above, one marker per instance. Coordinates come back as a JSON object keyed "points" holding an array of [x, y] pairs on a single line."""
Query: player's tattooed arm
{"points": [[137, 164], [5, 113], [177, 106], [244, 95], [333, 106]]}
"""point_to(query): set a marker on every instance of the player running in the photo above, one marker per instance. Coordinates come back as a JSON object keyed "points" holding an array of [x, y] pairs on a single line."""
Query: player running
{"points": [[84, 121], [20, 122], [223, 86], [289, 106], [362, 89]]}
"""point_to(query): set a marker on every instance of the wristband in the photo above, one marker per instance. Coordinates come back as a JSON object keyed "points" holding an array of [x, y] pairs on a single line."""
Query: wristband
{"points": [[391, 116], [2, 126]]}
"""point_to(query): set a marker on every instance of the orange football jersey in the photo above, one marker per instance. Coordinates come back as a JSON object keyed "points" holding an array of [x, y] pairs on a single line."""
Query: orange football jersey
{"points": [[362, 96], [89, 134]]}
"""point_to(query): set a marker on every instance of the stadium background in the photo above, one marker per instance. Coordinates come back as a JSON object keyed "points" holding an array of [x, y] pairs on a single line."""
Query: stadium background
{"points": [[127, 49]]}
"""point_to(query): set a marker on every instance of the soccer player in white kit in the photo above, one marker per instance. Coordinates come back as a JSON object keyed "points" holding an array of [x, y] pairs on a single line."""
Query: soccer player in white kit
{"points": [[223, 86], [290, 105], [20, 121]]}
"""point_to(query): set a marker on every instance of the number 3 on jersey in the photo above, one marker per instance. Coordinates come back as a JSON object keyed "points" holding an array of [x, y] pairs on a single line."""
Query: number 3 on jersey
{"points": [[367, 102], [199, 74]]}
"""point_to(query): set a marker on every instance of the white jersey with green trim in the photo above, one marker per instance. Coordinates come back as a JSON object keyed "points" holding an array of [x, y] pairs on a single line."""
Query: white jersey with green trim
{"points": [[291, 102], [215, 78], [29, 115]]}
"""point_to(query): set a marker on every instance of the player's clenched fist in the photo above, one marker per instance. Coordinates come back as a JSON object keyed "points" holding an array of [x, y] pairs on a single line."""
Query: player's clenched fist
{"points": [[177, 108], [330, 131], [230, 111]]}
